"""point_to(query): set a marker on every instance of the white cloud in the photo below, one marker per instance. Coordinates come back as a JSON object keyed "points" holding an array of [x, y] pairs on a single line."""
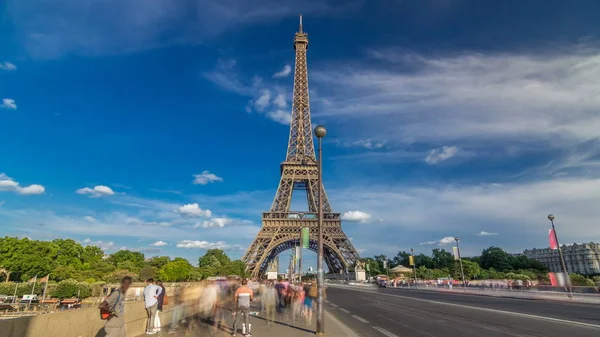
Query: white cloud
{"points": [[8, 103], [515, 207], [287, 69], [469, 97], [90, 218], [444, 153], [97, 191], [7, 66], [368, 144], [126, 26], [159, 244], [206, 177], [221, 222], [357, 216], [207, 245], [483, 233], [441, 242], [158, 223], [7, 184], [266, 98], [194, 210], [105, 246]]}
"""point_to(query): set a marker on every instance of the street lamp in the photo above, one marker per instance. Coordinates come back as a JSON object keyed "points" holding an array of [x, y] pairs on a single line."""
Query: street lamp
{"points": [[462, 273], [412, 253], [562, 259], [320, 132]]}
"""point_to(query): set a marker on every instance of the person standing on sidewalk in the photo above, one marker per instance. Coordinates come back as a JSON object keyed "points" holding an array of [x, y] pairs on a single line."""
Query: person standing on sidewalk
{"points": [[114, 304], [241, 306], [159, 308], [151, 293]]}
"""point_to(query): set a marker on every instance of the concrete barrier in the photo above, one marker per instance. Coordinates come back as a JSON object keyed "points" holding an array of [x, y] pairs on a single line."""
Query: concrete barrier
{"points": [[82, 322]]}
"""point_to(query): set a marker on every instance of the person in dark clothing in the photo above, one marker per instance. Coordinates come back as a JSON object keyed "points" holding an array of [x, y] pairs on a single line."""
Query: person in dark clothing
{"points": [[161, 301]]}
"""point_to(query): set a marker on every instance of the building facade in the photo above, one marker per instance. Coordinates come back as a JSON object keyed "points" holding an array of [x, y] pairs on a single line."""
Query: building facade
{"points": [[579, 258]]}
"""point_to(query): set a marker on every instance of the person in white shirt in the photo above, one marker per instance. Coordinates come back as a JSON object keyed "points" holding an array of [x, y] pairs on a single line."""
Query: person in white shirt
{"points": [[151, 293]]}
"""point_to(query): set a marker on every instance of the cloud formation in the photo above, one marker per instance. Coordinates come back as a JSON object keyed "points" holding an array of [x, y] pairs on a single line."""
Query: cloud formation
{"points": [[124, 26], [356, 216], [7, 66], [159, 244], [467, 97], [194, 210], [96, 192], [483, 233], [438, 155], [267, 99], [287, 69], [105, 246], [206, 177], [221, 222], [8, 103], [7, 184], [205, 245]]}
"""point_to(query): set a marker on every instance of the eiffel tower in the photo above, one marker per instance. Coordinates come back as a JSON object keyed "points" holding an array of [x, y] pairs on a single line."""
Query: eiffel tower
{"points": [[281, 227]]}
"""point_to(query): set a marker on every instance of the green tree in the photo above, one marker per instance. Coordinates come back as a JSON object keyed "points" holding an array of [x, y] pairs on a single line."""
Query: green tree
{"points": [[401, 259], [237, 267], [148, 272], [214, 258], [159, 261], [71, 288], [471, 270], [176, 271], [136, 258], [580, 280], [441, 258], [496, 258]]}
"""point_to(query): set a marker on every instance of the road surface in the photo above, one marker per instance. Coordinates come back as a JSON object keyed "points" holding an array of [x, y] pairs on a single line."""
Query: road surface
{"points": [[374, 312]]}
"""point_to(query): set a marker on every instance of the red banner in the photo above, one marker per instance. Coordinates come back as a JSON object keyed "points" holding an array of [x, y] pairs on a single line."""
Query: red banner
{"points": [[552, 277], [552, 239]]}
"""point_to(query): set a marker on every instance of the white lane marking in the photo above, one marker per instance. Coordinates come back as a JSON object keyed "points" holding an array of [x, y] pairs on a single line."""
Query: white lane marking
{"points": [[326, 301], [333, 305], [344, 310], [360, 319], [549, 319], [384, 331], [347, 331]]}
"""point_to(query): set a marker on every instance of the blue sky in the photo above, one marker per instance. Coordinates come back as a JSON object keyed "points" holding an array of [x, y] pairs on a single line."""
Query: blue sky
{"points": [[161, 126]]}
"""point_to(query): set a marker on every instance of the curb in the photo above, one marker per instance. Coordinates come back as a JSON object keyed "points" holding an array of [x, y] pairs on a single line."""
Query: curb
{"points": [[346, 330]]}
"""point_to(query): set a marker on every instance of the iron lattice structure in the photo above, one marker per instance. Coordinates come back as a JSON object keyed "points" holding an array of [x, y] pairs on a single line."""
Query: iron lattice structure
{"points": [[281, 228]]}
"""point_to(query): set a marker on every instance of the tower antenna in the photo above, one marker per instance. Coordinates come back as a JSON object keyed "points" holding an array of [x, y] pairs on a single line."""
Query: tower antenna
{"points": [[300, 23]]}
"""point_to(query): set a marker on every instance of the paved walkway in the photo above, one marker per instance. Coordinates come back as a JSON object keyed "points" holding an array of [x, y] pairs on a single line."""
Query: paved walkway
{"points": [[282, 326]]}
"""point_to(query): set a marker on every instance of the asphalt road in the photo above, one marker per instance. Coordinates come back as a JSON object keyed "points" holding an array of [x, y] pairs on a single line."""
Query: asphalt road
{"points": [[413, 313]]}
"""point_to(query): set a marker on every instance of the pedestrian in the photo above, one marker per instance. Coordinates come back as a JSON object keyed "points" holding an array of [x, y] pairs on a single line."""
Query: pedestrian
{"points": [[241, 306], [159, 307], [114, 308], [151, 293], [269, 299]]}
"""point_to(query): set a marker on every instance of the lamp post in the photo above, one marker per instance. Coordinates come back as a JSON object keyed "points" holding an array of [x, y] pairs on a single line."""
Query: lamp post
{"points": [[562, 259], [412, 253], [320, 132], [462, 273]]}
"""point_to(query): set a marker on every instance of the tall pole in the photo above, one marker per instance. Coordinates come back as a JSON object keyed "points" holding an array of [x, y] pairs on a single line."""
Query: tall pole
{"points": [[412, 252], [300, 260], [462, 273], [320, 132], [562, 258]]}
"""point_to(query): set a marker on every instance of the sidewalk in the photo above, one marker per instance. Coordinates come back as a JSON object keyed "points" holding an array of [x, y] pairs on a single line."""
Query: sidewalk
{"points": [[281, 327]]}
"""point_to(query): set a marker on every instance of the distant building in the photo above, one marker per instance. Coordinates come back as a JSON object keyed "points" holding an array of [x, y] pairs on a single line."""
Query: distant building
{"points": [[579, 258]]}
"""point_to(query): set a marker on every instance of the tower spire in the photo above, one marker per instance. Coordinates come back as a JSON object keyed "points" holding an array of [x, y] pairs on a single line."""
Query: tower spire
{"points": [[300, 23]]}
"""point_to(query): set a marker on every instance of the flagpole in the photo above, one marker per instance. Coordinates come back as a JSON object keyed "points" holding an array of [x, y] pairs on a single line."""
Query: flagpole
{"points": [[15, 295], [33, 288], [45, 287]]}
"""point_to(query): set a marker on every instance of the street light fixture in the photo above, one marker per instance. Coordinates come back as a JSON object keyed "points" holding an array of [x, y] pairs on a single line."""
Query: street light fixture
{"points": [[412, 252], [320, 132], [462, 273], [562, 259]]}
